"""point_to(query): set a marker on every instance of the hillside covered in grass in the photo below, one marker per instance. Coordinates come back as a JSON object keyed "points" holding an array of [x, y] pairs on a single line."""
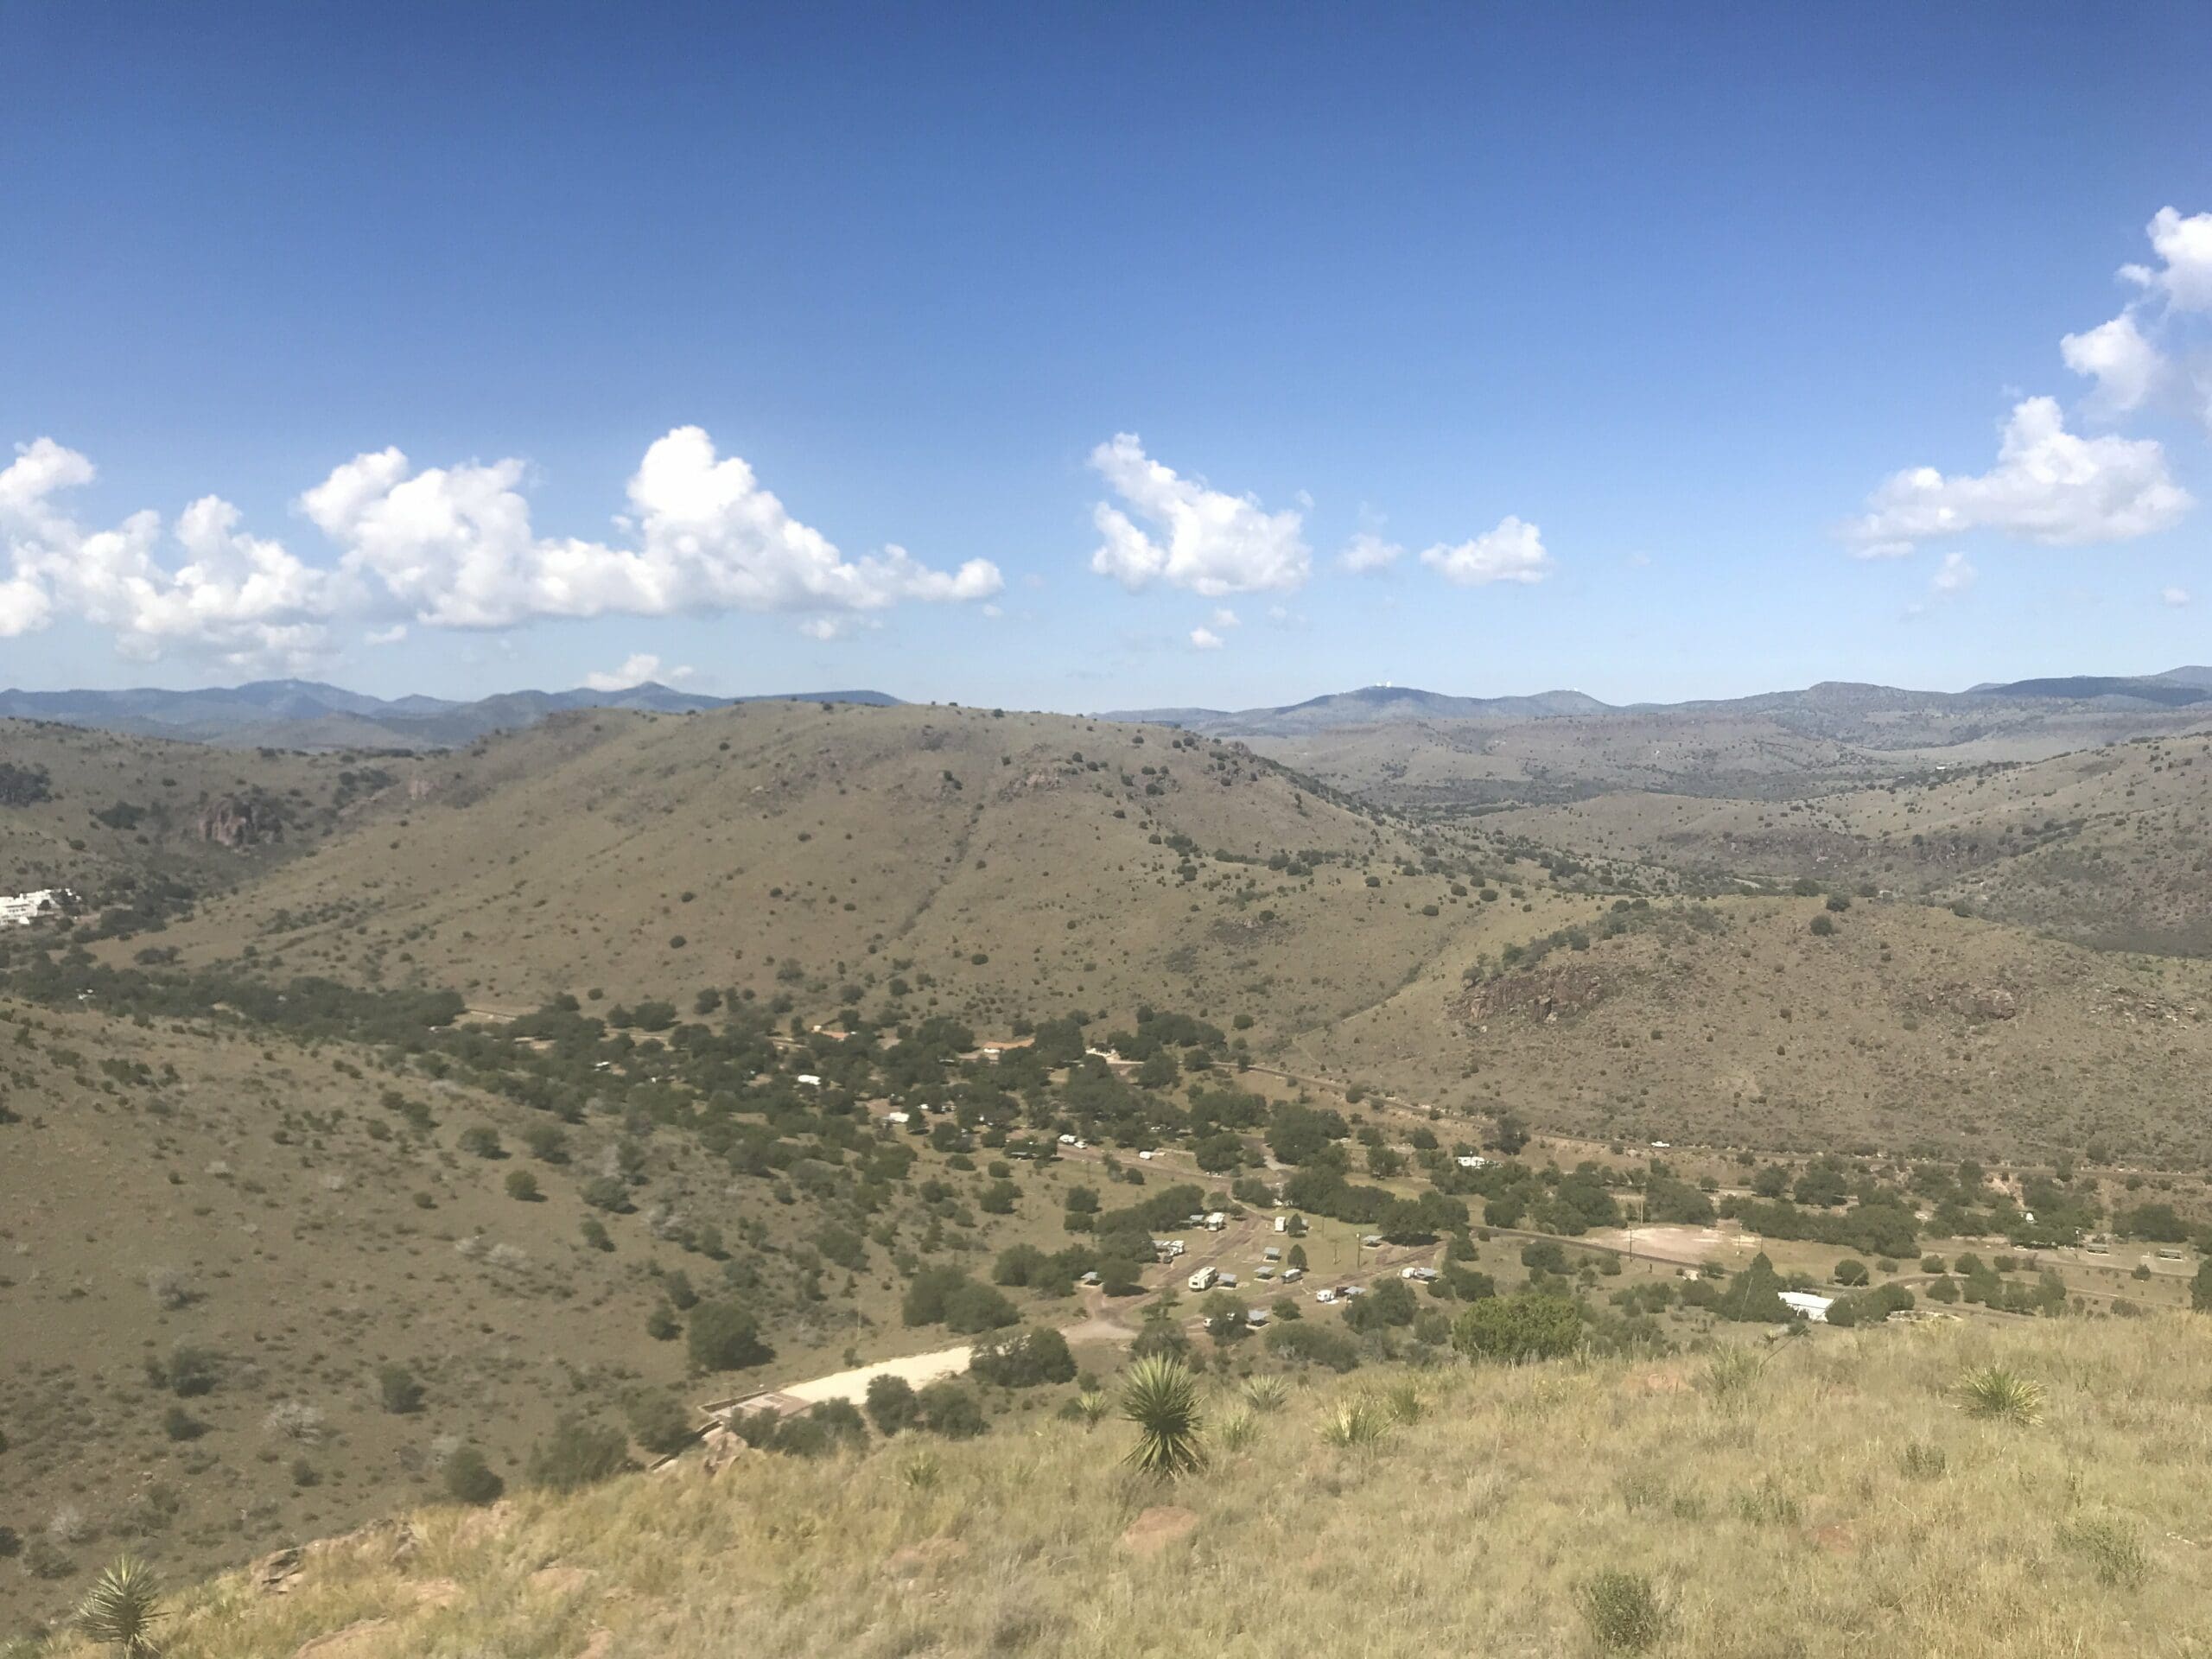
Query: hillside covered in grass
{"points": [[996, 862], [1838, 1494]]}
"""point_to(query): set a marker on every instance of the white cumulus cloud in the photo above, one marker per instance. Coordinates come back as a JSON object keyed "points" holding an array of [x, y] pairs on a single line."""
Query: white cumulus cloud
{"points": [[2184, 273], [1512, 552], [456, 547], [2125, 366], [200, 586], [2177, 597], [2048, 485], [1205, 640], [1204, 540], [1367, 553], [443, 546]]}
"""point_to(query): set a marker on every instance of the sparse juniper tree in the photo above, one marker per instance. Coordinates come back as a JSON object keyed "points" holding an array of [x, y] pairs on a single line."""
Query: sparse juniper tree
{"points": [[892, 1405]]}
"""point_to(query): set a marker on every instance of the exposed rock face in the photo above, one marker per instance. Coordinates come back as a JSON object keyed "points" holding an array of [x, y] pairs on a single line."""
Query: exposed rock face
{"points": [[239, 822]]}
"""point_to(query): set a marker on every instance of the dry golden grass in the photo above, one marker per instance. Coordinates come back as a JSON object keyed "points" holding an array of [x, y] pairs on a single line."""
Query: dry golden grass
{"points": [[1843, 1506]]}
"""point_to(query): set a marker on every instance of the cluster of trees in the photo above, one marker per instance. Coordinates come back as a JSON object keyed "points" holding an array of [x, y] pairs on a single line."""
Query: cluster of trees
{"points": [[1883, 1225], [946, 1295]]}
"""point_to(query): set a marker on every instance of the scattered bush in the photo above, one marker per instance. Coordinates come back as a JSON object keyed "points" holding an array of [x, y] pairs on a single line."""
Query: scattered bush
{"points": [[2112, 1547], [891, 1404], [398, 1390], [1624, 1610], [950, 1409], [577, 1454], [470, 1479], [723, 1337]]}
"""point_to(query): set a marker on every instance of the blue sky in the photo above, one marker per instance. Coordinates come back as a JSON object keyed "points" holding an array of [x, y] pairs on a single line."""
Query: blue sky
{"points": [[519, 346]]}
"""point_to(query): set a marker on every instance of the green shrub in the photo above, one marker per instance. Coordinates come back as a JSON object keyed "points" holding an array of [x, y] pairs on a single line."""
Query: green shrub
{"points": [[1624, 1610], [659, 1423], [1025, 1361], [952, 1410], [398, 1390], [470, 1479], [2112, 1546], [723, 1337], [891, 1404], [1524, 1327], [578, 1454]]}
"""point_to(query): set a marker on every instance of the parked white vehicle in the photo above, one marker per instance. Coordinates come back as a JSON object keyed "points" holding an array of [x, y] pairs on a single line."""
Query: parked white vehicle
{"points": [[1203, 1279]]}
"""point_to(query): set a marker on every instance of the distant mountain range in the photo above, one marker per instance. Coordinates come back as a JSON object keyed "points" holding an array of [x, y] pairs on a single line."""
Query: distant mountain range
{"points": [[308, 715], [1377, 705]]}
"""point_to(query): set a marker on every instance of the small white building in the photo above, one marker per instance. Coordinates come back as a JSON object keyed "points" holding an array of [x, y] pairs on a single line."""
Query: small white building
{"points": [[808, 1080], [1470, 1161], [898, 1117], [1807, 1305], [21, 909]]}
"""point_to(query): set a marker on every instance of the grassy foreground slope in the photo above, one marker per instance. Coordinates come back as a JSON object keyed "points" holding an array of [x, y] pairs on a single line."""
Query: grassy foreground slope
{"points": [[1836, 1501], [1005, 865]]}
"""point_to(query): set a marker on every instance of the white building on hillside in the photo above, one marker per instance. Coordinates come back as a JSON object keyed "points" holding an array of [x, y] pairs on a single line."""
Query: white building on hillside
{"points": [[1808, 1305], [21, 909]]}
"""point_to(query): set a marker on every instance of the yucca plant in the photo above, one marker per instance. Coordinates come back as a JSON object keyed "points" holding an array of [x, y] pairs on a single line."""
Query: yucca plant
{"points": [[1355, 1423], [1237, 1430], [1160, 1396], [122, 1608], [2000, 1395], [921, 1470], [1405, 1402], [1731, 1376], [1091, 1406], [1266, 1393]]}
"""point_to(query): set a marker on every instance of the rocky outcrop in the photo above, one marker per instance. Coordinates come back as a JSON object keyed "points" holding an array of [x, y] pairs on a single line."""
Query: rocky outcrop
{"points": [[239, 822]]}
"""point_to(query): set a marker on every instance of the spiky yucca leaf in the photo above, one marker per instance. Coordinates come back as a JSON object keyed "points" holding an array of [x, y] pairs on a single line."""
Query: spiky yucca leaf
{"points": [[1160, 1396], [122, 1608], [2002, 1395], [1092, 1404], [1266, 1393], [1356, 1424], [1406, 1403], [1236, 1431]]}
